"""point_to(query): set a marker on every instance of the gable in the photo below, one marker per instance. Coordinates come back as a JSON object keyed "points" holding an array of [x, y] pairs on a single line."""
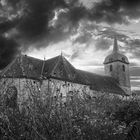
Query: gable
{"points": [[23, 66], [59, 68]]}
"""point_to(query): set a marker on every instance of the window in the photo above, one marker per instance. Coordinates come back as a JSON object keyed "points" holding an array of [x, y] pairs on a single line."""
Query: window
{"points": [[111, 67], [123, 68]]}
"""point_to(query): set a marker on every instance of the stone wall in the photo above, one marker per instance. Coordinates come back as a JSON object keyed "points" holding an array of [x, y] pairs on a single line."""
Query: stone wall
{"points": [[64, 88], [51, 87], [25, 88], [28, 89]]}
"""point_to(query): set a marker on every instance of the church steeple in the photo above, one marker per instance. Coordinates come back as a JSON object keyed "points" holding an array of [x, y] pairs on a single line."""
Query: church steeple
{"points": [[117, 66], [115, 47]]}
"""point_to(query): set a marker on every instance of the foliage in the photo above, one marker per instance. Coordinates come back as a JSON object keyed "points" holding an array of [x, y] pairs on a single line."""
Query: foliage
{"points": [[134, 132], [73, 117], [128, 112]]}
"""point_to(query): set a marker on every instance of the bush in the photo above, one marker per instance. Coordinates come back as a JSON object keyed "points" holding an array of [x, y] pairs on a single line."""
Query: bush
{"points": [[128, 112], [77, 119]]}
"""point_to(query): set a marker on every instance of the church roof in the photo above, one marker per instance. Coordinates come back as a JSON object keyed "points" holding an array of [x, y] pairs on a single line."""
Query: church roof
{"points": [[59, 68], [23, 66], [116, 55], [102, 83], [113, 57]]}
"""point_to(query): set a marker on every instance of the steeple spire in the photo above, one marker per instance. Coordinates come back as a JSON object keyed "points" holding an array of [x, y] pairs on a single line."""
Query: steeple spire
{"points": [[61, 53], [115, 47]]}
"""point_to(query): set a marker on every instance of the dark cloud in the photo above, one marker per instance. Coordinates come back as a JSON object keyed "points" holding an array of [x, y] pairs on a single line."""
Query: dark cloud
{"points": [[33, 25], [34, 16], [35, 21], [9, 48], [7, 25], [75, 14], [115, 11], [13, 2]]}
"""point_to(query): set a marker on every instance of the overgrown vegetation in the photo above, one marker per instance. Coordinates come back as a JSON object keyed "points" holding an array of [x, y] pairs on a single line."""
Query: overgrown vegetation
{"points": [[75, 118]]}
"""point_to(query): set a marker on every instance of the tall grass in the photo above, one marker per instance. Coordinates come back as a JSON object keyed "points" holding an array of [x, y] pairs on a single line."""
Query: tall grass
{"points": [[52, 118]]}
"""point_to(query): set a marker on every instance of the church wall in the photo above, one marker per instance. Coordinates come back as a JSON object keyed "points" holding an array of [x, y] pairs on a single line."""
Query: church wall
{"points": [[64, 88], [51, 87], [25, 88]]}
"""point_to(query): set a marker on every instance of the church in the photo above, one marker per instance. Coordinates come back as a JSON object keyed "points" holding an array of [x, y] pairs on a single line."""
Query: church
{"points": [[58, 76]]}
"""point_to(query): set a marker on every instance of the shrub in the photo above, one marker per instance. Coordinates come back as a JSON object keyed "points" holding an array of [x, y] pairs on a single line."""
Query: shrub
{"points": [[77, 119]]}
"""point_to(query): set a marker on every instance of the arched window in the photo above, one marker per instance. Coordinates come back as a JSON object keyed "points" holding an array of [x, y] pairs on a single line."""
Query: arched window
{"points": [[11, 97], [123, 67], [111, 67]]}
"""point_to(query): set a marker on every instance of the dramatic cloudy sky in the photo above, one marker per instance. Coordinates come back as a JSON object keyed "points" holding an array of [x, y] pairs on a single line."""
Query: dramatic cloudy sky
{"points": [[82, 29]]}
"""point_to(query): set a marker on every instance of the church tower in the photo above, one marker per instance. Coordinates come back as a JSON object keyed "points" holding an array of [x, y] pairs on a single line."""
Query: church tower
{"points": [[117, 66]]}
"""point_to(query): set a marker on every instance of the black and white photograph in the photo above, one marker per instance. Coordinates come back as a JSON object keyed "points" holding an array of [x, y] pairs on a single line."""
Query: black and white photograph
{"points": [[69, 69]]}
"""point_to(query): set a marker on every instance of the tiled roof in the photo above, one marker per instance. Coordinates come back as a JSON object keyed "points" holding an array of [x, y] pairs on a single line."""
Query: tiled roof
{"points": [[102, 83], [59, 68], [23, 66], [117, 56]]}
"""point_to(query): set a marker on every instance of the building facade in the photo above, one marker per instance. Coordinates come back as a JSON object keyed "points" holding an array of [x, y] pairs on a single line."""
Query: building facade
{"points": [[57, 77], [117, 66]]}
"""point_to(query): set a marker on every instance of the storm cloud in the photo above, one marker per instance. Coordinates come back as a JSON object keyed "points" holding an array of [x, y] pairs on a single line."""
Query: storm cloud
{"points": [[38, 23], [8, 49]]}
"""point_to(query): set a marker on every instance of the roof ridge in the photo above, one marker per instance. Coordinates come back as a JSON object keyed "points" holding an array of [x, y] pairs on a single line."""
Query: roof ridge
{"points": [[64, 59], [52, 58]]}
